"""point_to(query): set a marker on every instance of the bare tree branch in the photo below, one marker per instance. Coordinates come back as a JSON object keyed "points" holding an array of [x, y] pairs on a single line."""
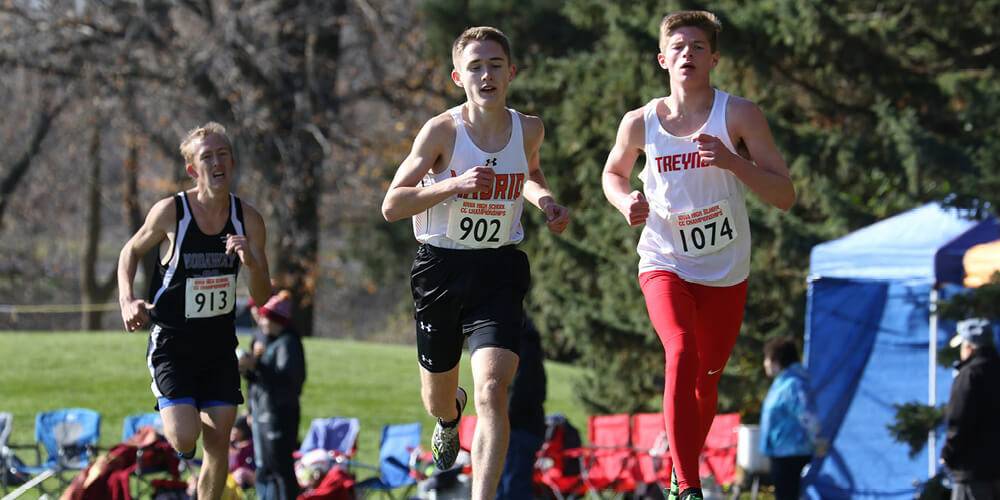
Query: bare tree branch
{"points": [[15, 174]]}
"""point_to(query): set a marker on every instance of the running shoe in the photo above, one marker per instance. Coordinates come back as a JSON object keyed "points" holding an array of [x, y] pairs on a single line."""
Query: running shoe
{"points": [[675, 488], [691, 494], [444, 441]]}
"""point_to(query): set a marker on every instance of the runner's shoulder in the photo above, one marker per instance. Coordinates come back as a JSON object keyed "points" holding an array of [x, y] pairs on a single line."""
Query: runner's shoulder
{"points": [[633, 126], [249, 210], [741, 108], [532, 125], [439, 130], [163, 213], [634, 117]]}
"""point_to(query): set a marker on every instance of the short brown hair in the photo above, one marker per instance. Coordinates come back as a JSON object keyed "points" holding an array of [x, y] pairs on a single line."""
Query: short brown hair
{"points": [[479, 33], [782, 350], [198, 133], [701, 19]]}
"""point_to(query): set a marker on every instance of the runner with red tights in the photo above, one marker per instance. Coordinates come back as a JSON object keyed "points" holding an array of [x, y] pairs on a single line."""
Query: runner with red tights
{"points": [[703, 150]]}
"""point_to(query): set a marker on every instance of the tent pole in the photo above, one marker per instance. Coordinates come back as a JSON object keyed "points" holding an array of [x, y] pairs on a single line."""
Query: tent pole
{"points": [[932, 380]]}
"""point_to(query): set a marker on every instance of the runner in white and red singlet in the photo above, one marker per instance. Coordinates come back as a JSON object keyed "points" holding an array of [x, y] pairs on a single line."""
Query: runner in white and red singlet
{"points": [[703, 149], [464, 184]]}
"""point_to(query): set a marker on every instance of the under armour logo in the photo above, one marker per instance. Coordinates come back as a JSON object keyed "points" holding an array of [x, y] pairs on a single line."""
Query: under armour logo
{"points": [[491, 162], [426, 327]]}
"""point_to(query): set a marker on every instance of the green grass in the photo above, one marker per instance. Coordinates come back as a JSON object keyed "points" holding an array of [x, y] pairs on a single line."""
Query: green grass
{"points": [[378, 384]]}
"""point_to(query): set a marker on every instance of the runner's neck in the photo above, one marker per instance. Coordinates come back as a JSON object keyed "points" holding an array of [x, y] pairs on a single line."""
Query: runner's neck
{"points": [[686, 102], [487, 123]]}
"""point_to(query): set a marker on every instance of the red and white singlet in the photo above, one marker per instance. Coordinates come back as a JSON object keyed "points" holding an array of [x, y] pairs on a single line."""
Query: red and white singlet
{"points": [[697, 225], [488, 219]]}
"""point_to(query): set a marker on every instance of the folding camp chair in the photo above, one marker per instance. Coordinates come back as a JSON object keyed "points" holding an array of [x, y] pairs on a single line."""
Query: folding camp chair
{"points": [[718, 457], [557, 467], [397, 445], [133, 423], [151, 464], [337, 435], [329, 442], [466, 431], [69, 437], [7, 463], [609, 461], [648, 440]]}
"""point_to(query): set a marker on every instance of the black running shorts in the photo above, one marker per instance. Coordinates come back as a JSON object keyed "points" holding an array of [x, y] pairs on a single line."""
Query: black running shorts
{"points": [[477, 294], [185, 369]]}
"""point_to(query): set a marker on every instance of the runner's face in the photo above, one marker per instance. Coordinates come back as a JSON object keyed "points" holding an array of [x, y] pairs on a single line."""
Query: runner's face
{"points": [[687, 55], [213, 165], [484, 72]]}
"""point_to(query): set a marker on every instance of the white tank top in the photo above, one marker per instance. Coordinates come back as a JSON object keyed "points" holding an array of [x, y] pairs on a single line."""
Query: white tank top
{"points": [[697, 225], [488, 219]]}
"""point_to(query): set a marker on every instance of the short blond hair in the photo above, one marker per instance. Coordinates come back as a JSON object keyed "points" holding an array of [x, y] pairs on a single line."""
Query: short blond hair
{"points": [[479, 34], [199, 133], [701, 19]]}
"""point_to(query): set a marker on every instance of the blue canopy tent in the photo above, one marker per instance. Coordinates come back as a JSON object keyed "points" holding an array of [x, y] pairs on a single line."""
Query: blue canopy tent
{"points": [[872, 340]]}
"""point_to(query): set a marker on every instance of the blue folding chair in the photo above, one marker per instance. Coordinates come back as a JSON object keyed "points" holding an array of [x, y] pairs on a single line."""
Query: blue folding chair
{"points": [[143, 473], [336, 434], [6, 454], [69, 437], [398, 443], [133, 423]]}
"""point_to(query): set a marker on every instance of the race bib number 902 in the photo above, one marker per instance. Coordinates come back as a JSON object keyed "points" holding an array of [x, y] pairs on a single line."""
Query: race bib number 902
{"points": [[703, 230], [209, 296], [480, 223]]}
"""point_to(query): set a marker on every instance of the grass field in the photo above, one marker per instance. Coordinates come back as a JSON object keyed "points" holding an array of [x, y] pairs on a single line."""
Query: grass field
{"points": [[106, 372]]}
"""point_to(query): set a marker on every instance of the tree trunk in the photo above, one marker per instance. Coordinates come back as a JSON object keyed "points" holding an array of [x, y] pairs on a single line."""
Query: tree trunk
{"points": [[93, 291], [297, 259]]}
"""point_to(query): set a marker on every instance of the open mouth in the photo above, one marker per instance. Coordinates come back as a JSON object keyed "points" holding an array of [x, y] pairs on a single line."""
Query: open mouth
{"points": [[218, 175], [487, 89], [687, 66]]}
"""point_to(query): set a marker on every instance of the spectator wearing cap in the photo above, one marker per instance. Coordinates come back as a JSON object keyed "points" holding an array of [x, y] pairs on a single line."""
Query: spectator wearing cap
{"points": [[276, 371], [972, 442]]}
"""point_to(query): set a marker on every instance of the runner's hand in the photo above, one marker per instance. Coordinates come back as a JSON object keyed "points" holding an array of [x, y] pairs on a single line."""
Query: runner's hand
{"points": [[713, 152], [134, 313], [635, 208], [240, 245], [474, 180], [556, 217]]}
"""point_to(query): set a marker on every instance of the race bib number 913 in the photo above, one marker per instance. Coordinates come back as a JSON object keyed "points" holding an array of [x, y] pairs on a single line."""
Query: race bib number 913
{"points": [[479, 223], [703, 230], [209, 296]]}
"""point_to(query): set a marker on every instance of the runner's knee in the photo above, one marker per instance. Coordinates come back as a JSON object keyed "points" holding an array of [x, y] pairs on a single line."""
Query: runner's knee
{"points": [[491, 396]]}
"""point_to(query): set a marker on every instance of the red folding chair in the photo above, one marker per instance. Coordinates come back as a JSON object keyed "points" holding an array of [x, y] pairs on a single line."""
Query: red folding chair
{"points": [[652, 456], [466, 431], [557, 467], [718, 457], [608, 463]]}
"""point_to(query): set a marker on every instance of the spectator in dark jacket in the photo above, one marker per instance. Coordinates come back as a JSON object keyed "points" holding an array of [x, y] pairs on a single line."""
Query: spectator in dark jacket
{"points": [[276, 371], [526, 401], [973, 416]]}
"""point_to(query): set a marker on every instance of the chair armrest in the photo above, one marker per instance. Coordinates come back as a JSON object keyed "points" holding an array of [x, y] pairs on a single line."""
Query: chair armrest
{"points": [[36, 447]]}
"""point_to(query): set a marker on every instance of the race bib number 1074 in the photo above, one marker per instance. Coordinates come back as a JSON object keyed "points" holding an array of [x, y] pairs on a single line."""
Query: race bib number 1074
{"points": [[703, 230], [209, 296]]}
